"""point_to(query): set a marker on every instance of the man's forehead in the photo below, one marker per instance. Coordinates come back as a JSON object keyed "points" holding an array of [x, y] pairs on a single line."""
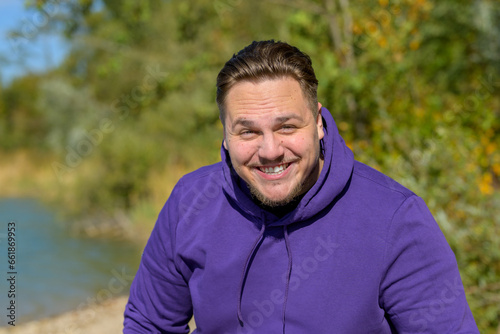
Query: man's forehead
{"points": [[285, 84], [250, 96]]}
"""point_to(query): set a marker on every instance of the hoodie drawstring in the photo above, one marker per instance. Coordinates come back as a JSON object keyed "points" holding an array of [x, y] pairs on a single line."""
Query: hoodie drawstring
{"points": [[289, 272], [245, 269]]}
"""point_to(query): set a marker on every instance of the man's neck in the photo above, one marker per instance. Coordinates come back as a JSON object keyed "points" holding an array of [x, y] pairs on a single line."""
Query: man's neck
{"points": [[281, 211]]}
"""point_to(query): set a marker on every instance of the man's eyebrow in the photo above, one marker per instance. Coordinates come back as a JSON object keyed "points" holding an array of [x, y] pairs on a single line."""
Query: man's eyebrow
{"points": [[278, 120], [243, 122], [285, 118]]}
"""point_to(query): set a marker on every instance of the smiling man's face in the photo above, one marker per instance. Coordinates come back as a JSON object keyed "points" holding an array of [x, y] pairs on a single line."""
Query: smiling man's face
{"points": [[273, 139]]}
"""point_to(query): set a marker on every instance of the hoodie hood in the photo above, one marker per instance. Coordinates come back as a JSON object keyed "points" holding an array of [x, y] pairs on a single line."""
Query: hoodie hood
{"points": [[336, 172]]}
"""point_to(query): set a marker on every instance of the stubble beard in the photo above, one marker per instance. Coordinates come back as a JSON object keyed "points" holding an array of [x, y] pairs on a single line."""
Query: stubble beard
{"points": [[271, 203], [298, 190]]}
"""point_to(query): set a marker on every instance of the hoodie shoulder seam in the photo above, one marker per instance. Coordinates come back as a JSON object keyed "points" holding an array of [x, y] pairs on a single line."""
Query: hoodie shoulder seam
{"points": [[390, 184], [174, 235], [387, 243]]}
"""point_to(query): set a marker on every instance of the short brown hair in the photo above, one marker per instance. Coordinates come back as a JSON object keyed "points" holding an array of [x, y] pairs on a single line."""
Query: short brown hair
{"points": [[268, 60]]}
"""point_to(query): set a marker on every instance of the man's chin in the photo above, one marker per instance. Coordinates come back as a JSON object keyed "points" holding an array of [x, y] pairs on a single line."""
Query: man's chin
{"points": [[275, 202]]}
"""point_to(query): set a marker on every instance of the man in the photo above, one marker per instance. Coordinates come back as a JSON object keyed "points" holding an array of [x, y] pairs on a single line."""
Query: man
{"points": [[289, 234]]}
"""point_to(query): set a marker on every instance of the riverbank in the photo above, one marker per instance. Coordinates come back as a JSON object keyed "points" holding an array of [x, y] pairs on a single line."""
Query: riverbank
{"points": [[106, 318]]}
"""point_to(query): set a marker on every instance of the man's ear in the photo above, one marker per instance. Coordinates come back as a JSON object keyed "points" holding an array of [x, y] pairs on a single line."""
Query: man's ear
{"points": [[319, 123], [223, 132]]}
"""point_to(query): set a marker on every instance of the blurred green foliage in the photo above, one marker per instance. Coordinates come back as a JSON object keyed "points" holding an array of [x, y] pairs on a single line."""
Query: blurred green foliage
{"points": [[414, 87]]}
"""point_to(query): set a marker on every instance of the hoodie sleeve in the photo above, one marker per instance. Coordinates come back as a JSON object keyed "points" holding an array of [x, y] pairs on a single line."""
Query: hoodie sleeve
{"points": [[159, 300], [421, 291]]}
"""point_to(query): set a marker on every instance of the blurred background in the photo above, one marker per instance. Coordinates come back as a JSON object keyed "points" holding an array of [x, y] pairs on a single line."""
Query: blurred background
{"points": [[104, 104]]}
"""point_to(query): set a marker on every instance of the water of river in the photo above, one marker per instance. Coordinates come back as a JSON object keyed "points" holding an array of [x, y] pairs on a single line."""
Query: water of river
{"points": [[54, 270]]}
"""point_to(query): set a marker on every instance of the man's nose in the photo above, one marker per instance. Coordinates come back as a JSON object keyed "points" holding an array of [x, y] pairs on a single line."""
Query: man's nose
{"points": [[271, 148]]}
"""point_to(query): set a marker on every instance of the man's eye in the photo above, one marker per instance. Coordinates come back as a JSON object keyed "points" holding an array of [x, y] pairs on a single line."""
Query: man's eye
{"points": [[288, 128], [247, 133]]}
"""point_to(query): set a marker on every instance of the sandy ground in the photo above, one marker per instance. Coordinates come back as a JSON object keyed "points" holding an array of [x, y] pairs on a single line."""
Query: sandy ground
{"points": [[106, 318]]}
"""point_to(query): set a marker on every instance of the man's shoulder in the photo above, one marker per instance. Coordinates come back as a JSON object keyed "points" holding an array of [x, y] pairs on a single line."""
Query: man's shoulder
{"points": [[379, 181], [204, 175], [199, 185]]}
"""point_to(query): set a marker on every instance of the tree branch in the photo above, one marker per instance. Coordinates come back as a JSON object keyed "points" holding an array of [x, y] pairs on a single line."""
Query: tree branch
{"points": [[334, 27], [348, 40], [309, 7]]}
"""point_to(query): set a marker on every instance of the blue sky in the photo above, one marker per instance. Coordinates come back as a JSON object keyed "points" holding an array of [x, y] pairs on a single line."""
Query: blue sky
{"points": [[24, 55]]}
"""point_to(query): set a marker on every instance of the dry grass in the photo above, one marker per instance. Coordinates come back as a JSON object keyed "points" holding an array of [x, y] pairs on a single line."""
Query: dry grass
{"points": [[25, 174]]}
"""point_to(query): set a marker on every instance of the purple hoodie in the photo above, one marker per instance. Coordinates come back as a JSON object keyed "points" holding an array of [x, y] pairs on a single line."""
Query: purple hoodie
{"points": [[359, 254]]}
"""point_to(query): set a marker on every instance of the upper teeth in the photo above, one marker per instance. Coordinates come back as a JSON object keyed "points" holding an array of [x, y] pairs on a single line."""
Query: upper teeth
{"points": [[274, 170]]}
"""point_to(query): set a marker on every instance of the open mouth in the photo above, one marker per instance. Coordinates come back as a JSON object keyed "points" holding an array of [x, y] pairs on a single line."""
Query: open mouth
{"points": [[275, 170]]}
